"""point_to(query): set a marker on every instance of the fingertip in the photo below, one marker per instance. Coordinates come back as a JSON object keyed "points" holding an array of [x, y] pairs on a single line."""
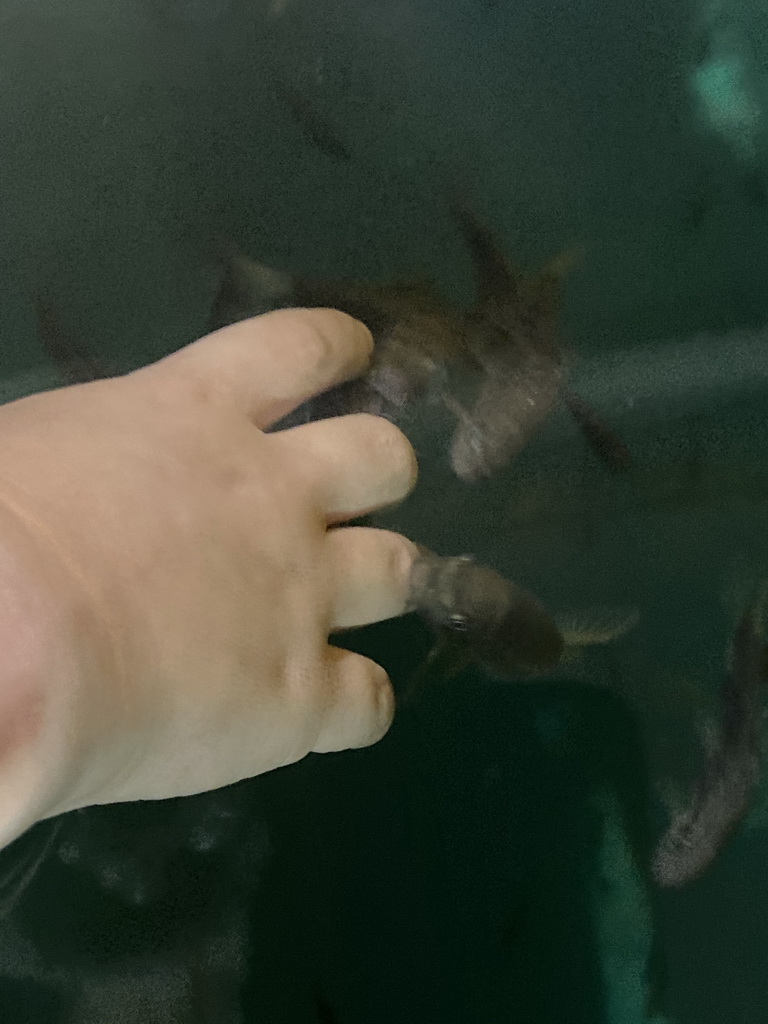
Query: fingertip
{"points": [[363, 462], [363, 704], [333, 345], [359, 334], [372, 571], [383, 704]]}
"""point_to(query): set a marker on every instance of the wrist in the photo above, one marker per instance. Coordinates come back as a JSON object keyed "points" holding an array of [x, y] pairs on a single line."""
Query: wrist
{"points": [[49, 653]]}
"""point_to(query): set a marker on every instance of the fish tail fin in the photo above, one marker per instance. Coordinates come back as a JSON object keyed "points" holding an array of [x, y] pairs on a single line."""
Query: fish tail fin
{"points": [[596, 626]]}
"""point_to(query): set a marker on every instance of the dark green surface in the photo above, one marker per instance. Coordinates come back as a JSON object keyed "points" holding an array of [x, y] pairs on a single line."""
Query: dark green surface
{"points": [[441, 876], [453, 872]]}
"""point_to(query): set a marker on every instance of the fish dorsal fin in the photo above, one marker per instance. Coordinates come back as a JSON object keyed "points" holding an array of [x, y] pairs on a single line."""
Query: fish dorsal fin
{"points": [[496, 277]]}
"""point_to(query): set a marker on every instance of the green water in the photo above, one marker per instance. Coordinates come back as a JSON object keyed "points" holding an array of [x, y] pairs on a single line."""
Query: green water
{"points": [[487, 861]]}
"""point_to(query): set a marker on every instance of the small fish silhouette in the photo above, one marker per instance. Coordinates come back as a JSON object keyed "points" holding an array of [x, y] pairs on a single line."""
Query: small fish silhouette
{"points": [[315, 128], [733, 750]]}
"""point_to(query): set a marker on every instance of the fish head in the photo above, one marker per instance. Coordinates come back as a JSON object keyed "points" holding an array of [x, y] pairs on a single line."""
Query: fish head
{"points": [[498, 623]]}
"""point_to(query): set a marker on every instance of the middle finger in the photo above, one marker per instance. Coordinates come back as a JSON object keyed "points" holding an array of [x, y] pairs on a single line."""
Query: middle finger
{"points": [[359, 463]]}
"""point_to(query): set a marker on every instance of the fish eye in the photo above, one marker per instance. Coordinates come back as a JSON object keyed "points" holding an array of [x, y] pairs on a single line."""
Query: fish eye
{"points": [[459, 622]]}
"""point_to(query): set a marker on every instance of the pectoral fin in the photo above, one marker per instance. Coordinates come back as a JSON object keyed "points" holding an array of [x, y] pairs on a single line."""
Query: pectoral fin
{"points": [[445, 660]]}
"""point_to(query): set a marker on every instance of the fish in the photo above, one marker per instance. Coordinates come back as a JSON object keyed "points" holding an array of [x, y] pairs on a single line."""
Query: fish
{"points": [[315, 128], [480, 617], [725, 788], [513, 337], [246, 288], [497, 368]]}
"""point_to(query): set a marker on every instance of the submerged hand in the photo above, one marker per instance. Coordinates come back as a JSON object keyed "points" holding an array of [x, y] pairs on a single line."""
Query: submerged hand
{"points": [[170, 578]]}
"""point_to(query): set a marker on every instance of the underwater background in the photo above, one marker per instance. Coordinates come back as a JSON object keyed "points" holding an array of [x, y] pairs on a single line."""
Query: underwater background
{"points": [[489, 859]]}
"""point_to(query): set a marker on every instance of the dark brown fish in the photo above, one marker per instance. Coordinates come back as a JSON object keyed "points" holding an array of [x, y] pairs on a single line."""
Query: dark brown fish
{"points": [[314, 127], [497, 368], [726, 786], [513, 336], [480, 617]]}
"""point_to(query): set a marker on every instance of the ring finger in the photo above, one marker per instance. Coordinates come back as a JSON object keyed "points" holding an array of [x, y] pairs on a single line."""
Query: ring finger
{"points": [[370, 572], [359, 463]]}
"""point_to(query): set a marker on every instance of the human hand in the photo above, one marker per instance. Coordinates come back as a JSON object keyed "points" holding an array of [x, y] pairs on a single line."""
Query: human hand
{"points": [[171, 579]]}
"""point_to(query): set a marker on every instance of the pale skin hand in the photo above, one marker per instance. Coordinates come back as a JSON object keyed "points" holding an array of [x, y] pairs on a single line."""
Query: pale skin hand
{"points": [[169, 578]]}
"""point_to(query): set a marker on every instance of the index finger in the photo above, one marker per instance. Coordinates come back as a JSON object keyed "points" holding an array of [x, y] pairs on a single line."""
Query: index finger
{"points": [[270, 364]]}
